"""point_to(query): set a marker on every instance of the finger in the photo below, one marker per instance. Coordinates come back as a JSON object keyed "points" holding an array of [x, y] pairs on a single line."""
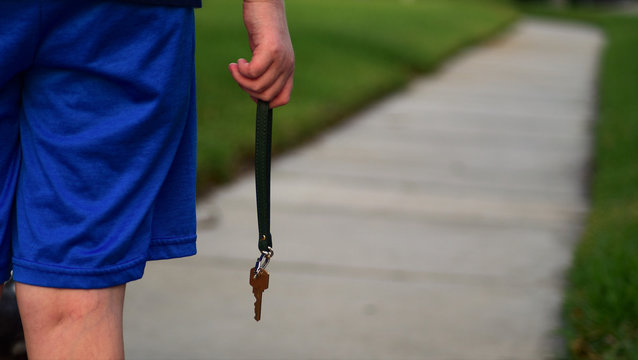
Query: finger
{"points": [[239, 79], [257, 66], [283, 83], [278, 91], [262, 84], [274, 89], [234, 71], [254, 86], [265, 88], [255, 97], [242, 81], [284, 96]]}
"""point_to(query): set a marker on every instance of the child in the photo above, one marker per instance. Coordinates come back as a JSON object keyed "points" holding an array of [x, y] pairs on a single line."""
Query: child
{"points": [[97, 153]]}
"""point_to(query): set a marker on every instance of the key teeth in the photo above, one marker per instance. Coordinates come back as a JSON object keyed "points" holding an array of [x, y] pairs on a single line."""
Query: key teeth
{"points": [[257, 316]]}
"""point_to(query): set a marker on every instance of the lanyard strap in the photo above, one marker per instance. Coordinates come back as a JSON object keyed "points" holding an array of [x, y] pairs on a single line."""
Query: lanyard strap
{"points": [[263, 144]]}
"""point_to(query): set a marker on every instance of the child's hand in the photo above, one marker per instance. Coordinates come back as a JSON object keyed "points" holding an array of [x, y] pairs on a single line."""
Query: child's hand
{"points": [[269, 74]]}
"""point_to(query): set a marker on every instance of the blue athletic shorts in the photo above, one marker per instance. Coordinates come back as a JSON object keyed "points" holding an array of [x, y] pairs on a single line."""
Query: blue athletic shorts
{"points": [[97, 140]]}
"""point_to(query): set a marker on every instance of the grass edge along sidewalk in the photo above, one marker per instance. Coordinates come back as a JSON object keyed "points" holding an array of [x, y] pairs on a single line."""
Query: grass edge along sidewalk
{"points": [[601, 303], [349, 53]]}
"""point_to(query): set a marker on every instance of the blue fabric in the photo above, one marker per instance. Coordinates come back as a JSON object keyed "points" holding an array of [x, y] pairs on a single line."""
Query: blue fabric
{"points": [[183, 3], [97, 140]]}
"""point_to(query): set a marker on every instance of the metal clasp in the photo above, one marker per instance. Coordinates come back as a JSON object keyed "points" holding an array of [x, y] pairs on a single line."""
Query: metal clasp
{"points": [[263, 260]]}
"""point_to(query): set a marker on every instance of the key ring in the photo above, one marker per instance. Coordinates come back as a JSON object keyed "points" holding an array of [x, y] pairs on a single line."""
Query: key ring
{"points": [[263, 260]]}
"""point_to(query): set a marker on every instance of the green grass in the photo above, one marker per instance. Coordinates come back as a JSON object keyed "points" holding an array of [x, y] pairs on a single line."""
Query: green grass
{"points": [[601, 306], [348, 52]]}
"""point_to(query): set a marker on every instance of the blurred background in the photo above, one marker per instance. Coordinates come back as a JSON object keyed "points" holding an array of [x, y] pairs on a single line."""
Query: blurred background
{"points": [[454, 179]]}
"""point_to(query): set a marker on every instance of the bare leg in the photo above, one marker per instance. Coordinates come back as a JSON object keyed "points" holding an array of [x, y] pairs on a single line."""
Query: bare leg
{"points": [[71, 323]]}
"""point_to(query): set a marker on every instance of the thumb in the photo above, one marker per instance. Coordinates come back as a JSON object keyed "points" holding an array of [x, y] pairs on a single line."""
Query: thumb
{"points": [[257, 65]]}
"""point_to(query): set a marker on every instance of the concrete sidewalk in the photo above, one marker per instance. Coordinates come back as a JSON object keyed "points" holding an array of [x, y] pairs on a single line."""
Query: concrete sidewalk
{"points": [[437, 224]]}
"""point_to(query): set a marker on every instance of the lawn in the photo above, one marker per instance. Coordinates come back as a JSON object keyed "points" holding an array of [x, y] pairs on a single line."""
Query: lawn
{"points": [[348, 52], [601, 306]]}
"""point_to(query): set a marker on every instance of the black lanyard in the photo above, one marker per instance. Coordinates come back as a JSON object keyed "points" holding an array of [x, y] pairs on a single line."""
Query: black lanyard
{"points": [[263, 146]]}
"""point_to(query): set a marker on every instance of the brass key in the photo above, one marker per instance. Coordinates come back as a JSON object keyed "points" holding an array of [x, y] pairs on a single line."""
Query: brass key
{"points": [[259, 284]]}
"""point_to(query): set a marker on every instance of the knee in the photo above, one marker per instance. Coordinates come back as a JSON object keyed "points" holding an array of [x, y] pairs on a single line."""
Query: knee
{"points": [[51, 307], [72, 324], [73, 308]]}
